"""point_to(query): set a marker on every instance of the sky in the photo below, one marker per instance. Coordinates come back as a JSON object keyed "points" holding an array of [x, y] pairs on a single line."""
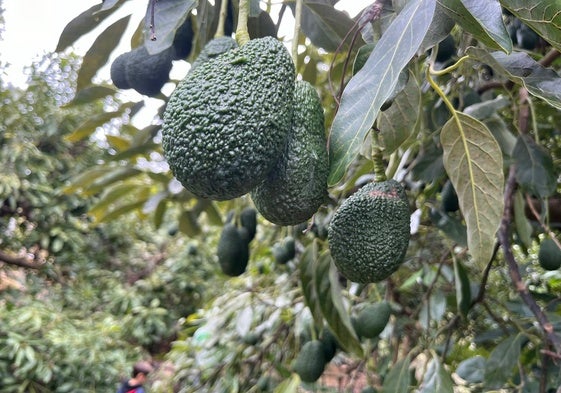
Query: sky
{"points": [[32, 28]]}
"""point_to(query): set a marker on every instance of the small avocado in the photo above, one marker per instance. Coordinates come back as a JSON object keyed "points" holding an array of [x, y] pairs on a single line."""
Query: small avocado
{"points": [[232, 251], [372, 320], [549, 255], [310, 362]]}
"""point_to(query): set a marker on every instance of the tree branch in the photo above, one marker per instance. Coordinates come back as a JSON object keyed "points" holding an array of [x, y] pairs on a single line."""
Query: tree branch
{"points": [[514, 272], [19, 261]]}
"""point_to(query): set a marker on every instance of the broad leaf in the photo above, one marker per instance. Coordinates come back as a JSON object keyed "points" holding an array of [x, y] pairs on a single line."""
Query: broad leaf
{"points": [[433, 309], [308, 267], [324, 25], [398, 379], [99, 52], [112, 195], [159, 212], [168, 16], [437, 379], [88, 127], [289, 385], [82, 24], [452, 227], [500, 365], [534, 167], [90, 94], [401, 120], [121, 210], [85, 179], [543, 16], [485, 23], [502, 134], [473, 161], [463, 288], [330, 300], [188, 224], [110, 177], [439, 29], [372, 85], [520, 68], [472, 369]]}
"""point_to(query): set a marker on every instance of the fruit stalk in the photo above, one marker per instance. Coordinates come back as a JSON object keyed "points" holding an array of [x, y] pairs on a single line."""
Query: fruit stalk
{"points": [[377, 159], [242, 34]]}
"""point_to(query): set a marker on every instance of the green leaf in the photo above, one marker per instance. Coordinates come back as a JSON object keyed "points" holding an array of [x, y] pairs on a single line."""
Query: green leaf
{"points": [[111, 176], [502, 134], [88, 127], [440, 27], [463, 288], [308, 267], [372, 85], [523, 227], [398, 378], [472, 369], [485, 109], [433, 309], [90, 94], [121, 210], [502, 361], [289, 385], [118, 142], [520, 68], [534, 167], [437, 379], [213, 214], [85, 179], [99, 52], [82, 24], [144, 150], [325, 26], [330, 300], [188, 224], [168, 16], [401, 120], [473, 161], [485, 23], [112, 195], [159, 213], [543, 16]]}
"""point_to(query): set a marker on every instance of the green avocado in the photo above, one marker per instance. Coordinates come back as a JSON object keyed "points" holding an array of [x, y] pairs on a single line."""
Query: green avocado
{"points": [[297, 185], [549, 255], [214, 48], [118, 73], [310, 362], [248, 220], [285, 250], [148, 73], [183, 40], [330, 344], [233, 250], [227, 122], [369, 233], [449, 198], [372, 320]]}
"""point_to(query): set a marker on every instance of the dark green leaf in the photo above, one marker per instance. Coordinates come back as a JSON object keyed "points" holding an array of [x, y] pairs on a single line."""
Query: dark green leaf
{"points": [[439, 29], [534, 167], [487, 29], [543, 16], [463, 288], [324, 25], [82, 24], [121, 210], [159, 213], [428, 165], [502, 133], [87, 128], [111, 176], [471, 369], [188, 224], [501, 363], [111, 196], [99, 52], [308, 267], [520, 68], [398, 378], [374, 83], [330, 300], [437, 379], [168, 16]]}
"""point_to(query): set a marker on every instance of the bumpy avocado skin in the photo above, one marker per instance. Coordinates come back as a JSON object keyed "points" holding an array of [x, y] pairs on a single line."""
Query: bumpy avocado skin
{"points": [[118, 71], [233, 250], [369, 233], [297, 185], [227, 122], [212, 49], [147, 73]]}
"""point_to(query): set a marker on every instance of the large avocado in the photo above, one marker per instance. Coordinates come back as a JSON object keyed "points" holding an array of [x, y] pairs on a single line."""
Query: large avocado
{"points": [[233, 250], [226, 123], [214, 48], [369, 233], [310, 362], [297, 185]]}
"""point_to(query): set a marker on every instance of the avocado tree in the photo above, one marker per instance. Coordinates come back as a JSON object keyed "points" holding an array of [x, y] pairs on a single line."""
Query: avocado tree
{"points": [[456, 101]]}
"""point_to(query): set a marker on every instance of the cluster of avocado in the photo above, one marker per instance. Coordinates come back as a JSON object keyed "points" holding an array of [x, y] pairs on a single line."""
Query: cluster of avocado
{"points": [[314, 355], [240, 123], [369, 234], [233, 245], [147, 73]]}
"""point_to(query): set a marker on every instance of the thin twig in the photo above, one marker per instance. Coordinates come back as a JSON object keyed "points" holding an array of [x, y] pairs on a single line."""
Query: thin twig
{"points": [[514, 271], [19, 261]]}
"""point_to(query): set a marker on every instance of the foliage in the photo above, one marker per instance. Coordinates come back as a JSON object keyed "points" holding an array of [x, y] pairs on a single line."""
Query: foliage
{"points": [[471, 306]]}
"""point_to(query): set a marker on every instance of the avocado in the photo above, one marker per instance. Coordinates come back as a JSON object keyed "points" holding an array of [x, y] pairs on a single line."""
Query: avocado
{"points": [[329, 343], [141, 71], [372, 320], [549, 255], [284, 251], [212, 49], [369, 233], [118, 73], [297, 185], [248, 220], [183, 40], [227, 122], [232, 251], [310, 362], [449, 198]]}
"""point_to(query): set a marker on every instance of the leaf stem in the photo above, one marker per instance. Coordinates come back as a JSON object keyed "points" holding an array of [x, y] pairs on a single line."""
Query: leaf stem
{"points": [[222, 19], [296, 35], [448, 69], [242, 34]]}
